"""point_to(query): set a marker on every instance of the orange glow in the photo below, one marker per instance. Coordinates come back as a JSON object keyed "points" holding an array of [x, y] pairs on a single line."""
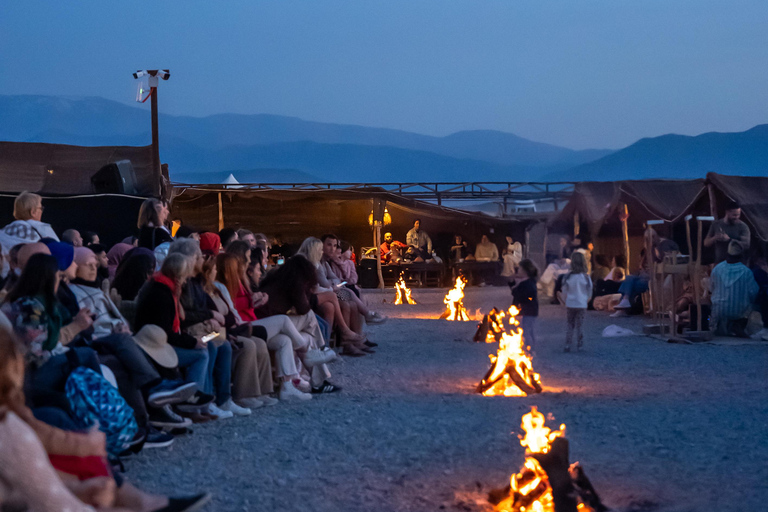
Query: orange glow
{"points": [[403, 293], [454, 302], [511, 371]]}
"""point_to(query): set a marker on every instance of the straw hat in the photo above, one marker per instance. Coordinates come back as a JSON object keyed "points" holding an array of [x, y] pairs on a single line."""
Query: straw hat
{"points": [[154, 341]]}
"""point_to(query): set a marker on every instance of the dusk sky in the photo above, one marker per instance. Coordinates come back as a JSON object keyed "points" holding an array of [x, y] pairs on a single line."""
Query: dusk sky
{"points": [[580, 74]]}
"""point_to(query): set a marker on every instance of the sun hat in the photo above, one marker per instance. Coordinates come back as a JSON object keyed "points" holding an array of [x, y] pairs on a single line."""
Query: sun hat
{"points": [[154, 341], [64, 254], [735, 248]]}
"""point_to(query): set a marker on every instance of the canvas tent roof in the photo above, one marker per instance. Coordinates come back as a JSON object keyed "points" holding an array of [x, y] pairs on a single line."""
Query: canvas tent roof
{"points": [[751, 193], [669, 200], [59, 169]]}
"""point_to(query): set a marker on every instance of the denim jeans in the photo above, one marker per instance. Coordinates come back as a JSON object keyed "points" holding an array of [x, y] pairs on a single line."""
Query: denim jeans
{"points": [[528, 323], [219, 380], [194, 362]]}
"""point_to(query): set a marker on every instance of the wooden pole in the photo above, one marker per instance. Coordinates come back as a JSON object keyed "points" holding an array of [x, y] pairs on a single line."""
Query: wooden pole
{"points": [[697, 275], [576, 224], [221, 214], [712, 200], [155, 139], [377, 241], [625, 234]]}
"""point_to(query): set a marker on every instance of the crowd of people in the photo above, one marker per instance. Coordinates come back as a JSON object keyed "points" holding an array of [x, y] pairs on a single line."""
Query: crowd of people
{"points": [[106, 351]]}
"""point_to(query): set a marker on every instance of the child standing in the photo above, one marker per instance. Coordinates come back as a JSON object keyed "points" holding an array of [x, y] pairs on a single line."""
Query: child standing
{"points": [[525, 298], [577, 290]]}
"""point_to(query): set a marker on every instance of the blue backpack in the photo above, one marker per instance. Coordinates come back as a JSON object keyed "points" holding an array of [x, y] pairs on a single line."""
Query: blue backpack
{"points": [[92, 398]]}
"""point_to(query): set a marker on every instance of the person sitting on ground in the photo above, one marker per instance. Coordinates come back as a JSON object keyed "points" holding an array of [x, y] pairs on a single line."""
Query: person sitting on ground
{"points": [[72, 237], [419, 243], [36, 458], [153, 232], [486, 250], [549, 282], [282, 337], [158, 304], [227, 235], [460, 250], [734, 290], [730, 227], [760, 272], [618, 262], [634, 286], [28, 226], [201, 318]]}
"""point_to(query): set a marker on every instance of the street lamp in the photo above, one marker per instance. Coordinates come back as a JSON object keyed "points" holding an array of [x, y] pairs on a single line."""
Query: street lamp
{"points": [[153, 79]]}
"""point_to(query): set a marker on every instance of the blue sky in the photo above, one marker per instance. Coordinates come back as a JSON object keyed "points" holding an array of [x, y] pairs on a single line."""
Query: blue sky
{"points": [[579, 73]]}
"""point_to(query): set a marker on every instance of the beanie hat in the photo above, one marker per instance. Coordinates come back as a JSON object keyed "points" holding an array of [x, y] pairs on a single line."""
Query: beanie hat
{"points": [[64, 254], [82, 254], [210, 243]]}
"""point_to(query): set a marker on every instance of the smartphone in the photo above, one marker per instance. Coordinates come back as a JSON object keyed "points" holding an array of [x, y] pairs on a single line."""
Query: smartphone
{"points": [[343, 283], [280, 261], [209, 337]]}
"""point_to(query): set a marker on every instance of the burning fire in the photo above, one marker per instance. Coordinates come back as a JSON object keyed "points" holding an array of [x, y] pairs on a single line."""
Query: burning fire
{"points": [[454, 302], [511, 372], [403, 293], [529, 490], [547, 482]]}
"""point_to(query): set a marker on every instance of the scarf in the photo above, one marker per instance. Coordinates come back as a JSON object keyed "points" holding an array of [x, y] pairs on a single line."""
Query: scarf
{"points": [[173, 286]]}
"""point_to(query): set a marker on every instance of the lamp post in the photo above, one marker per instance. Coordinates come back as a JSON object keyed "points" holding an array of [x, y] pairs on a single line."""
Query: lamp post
{"points": [[153, 79]]}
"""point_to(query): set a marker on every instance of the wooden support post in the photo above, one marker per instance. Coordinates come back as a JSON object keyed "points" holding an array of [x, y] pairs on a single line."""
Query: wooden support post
{"points": [[527, 241], [712, 200], [377, 241], [155, 137], [697, 275], [221, 214], [576, 225], [625, 233]]}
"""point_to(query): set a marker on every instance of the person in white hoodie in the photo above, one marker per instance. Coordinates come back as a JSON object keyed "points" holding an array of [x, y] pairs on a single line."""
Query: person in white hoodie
{"points": [[577, 290]]}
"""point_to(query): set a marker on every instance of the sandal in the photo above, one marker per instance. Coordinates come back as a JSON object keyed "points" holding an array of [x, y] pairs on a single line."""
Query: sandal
{"points": [[349, 349]]}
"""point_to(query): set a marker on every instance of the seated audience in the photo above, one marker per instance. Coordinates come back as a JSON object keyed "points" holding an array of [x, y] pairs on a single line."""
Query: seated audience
{"points": [[486, 250], [601, 268], [115, 256], [72, 237], [133, 273], [459, 250], [90, 238], [247, 237], [226, 236], [28, 226], [512, 255], [419, 244], [734, 290]]}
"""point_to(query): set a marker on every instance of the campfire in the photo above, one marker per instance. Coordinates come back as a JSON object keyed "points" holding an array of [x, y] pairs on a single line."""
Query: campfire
{"points": [[491, 328], [511, 372], [454, 302], [403, 292], [546, 482]]}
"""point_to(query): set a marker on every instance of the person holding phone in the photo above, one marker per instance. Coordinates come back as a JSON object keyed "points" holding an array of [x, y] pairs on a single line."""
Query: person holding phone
{"points": [[730, 227]]}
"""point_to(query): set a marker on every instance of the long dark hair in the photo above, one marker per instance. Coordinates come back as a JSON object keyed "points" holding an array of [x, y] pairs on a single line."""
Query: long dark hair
{"points": [[11, 396], [132, 274], [296, 271], [37, 280]]}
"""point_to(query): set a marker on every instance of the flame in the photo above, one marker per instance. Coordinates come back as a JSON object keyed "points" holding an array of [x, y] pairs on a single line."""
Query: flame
{"points": [[495, 325], [511, 363], [529, 488], [403, 293], [454, 302]]}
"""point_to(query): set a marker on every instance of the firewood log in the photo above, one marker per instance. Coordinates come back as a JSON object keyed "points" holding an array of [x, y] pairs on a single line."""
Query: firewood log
{"points": [[555, 464]]}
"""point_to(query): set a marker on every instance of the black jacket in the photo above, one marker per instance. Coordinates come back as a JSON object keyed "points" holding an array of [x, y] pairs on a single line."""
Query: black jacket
{"points": [[155, 306], [150, 237], [198, 306], [525, 298]]}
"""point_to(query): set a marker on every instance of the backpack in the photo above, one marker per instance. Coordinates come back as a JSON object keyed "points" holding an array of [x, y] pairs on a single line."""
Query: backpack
{"points": [[93, 399]]}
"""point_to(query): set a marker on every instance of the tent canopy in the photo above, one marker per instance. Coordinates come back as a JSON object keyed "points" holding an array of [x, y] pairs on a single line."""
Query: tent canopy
{"points": [[59, 169], [752, 195]]}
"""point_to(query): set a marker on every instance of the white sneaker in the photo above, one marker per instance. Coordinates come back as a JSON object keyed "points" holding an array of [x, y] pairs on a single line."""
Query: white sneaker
{"points": [[222, 414], [235, 409], [268, 400], [289, 392], [619, 313], [302, 385], [623, 304], [315, 357], [250, 403]]}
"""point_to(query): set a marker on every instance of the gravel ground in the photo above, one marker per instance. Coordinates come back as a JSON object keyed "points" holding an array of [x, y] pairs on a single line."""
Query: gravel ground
{"points": [[657, 426]]}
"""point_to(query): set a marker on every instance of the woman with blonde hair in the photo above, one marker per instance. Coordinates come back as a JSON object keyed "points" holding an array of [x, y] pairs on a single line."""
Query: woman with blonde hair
{"points": [[330, 308], [28, 226], [153, 215]]}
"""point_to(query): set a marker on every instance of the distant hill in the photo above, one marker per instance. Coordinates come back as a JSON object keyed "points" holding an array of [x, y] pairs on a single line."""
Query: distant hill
{"points": [[96, 121], [679, 156]]}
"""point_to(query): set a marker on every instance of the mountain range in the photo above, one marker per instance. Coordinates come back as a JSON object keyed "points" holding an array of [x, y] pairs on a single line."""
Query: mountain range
{"points": [[271, 148]]}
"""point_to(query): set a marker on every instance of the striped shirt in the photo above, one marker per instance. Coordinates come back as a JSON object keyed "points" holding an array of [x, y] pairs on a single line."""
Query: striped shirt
{"points": [[733, 289]]}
